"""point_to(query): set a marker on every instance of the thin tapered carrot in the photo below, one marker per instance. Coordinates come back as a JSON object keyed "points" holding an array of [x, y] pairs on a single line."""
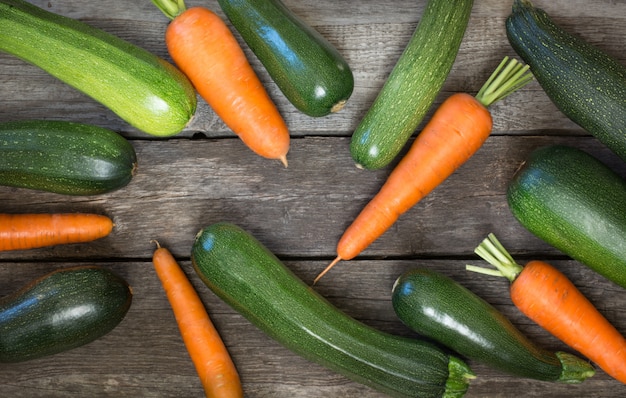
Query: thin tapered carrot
{"points": [[29, 231], [455, 132], [546, 296], [205, 49], [213, 363]]}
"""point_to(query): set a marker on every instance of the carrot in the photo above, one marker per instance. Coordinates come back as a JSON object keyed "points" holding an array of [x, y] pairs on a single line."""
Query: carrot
{"points": [[29, 231], [455, 132], [546, 296], [212, 361], [205, 49]]}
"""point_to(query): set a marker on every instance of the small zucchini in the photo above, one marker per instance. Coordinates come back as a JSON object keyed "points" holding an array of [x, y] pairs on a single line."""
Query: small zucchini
{"points": [[439, 308], [65, 309], [247, 276], [64, 157], [584, 83], [309, 70], [577, 204], [413, 84], [141, 88]]}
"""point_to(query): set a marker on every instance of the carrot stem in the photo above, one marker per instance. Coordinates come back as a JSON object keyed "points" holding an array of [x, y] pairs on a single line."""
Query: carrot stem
{"points": [[171, 8], [492, 251], [509, 76]]}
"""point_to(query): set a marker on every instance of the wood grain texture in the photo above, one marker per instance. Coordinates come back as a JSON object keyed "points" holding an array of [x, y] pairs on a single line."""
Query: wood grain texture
{"points": [[206, 175]]}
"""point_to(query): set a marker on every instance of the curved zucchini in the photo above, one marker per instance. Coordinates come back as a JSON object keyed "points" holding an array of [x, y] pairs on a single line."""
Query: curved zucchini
{"points": [[141, 88], [576, 203], [309, 70], [586, 84], [247, 276], [437, 307], [64, 157], [413, 84], [65, 309]]}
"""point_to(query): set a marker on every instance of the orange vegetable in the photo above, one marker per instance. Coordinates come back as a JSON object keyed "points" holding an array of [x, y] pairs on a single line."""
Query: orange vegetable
{"points": [[212, 361], [29, 231], [545, 295], [455, 132], [204, 48]]}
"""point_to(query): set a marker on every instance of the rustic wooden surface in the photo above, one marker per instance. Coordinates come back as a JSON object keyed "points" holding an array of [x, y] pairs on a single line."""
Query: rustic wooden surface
{"points": [[205, 175]]}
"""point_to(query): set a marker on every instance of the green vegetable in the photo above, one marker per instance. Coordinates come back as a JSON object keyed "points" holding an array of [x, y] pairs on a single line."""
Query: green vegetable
{"points": [[247, 276], [586, 84], [64, 157], [413, 84], [143, 89], [309, 70], [577, 204], [65, 309], [439, 308]]}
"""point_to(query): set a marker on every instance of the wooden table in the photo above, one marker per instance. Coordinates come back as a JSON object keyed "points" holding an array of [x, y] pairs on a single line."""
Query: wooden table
{"points": [[205, 175]]}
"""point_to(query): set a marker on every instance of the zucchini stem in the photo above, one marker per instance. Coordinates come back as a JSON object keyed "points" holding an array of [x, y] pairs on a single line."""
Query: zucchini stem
{"points": [[492, 251], [509, 76], [171, 8]]}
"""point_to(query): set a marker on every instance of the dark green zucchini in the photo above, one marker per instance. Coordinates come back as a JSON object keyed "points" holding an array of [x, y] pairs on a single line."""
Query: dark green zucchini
{"points": [[64, 157], [585, 83], [65, 309], [247, 276], [143, 89], [309, 70], [439, 308], [413, 84], [576, 203]]}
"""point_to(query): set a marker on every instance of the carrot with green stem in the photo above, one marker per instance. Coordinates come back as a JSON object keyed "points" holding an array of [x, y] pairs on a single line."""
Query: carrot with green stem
{"points": [[213, 363], [455, 132], [32, 230], [546, 296], [205, 49]]}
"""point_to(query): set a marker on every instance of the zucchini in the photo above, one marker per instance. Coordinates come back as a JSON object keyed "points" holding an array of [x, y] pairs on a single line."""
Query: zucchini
{"points": [[577, 204], [586, 84], [64, 157], [413, 84], [64, 309], [247, 276], [309, 71], [439, 308], [141, 88]]}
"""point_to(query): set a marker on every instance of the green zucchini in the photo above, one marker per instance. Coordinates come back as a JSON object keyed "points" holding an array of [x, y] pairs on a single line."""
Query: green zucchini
{"points": [[439, 308], [146, 91], [413, 84], [309, 70], [64, 157], [64, 309], [577, 204], [247, 276], [586, 84]]}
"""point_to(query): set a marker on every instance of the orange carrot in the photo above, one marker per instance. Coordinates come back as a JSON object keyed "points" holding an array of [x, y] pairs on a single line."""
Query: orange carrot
{"points": [[29, 231], [205, 49], [455, 132], [212, 361], [546, 296]]}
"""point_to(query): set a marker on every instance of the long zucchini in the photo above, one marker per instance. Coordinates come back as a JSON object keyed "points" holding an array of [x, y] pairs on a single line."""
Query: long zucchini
{"points": [[146, 91], [247, 276]]}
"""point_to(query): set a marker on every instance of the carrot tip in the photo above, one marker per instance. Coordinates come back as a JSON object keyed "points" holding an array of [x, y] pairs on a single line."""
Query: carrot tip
{"points": [[283, 160], [321, 274]]}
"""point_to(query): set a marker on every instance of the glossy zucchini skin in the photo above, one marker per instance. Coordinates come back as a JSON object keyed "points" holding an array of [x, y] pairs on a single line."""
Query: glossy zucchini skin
{"points": [[439, 308], [574, 202], [586, 84], [412, 85], [247, 276], [144, 90], [64, 157], [309, 70], [65, 309]]}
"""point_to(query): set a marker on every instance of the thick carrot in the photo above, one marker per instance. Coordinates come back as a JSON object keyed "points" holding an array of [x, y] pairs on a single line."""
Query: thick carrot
{"points": [[545, 295], [212, 361], [205, 49], [29, 231], [455, 132]]}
